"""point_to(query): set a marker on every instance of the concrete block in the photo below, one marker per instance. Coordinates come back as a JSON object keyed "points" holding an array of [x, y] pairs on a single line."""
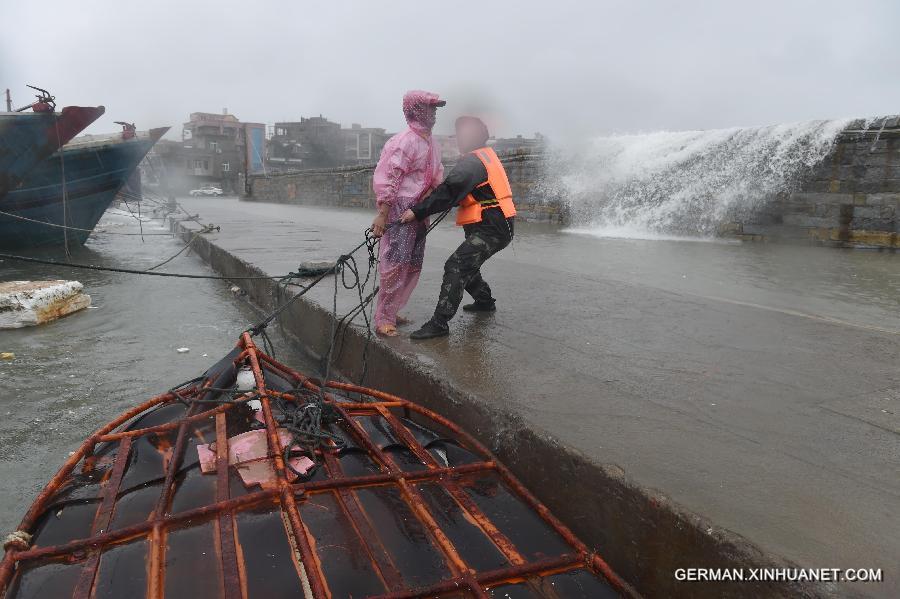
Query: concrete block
{"points": [[818, 197], [878, 239], [884, 199], [802, 220], [863, 211], [29, 303], [872, 224], [820, 186], [870, 185]]}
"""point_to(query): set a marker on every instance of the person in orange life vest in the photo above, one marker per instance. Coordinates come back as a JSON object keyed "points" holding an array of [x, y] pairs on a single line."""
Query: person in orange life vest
{"points": [[479, 186]]}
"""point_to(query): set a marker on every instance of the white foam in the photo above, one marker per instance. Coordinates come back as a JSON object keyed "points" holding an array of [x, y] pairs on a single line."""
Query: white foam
{"points": [[627, 232], [685, 184]]}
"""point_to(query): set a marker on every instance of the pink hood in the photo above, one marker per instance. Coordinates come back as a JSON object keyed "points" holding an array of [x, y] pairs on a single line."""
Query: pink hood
{"points": [[410, 164], [413, 100]]}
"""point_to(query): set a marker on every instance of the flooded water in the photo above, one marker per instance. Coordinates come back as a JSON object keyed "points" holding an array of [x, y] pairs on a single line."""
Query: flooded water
{"points": [[852, 286], [71, 376]]}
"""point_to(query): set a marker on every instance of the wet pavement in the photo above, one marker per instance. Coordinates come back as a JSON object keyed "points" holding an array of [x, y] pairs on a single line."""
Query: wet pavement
{"points": [[756, 385], [75, 374]]}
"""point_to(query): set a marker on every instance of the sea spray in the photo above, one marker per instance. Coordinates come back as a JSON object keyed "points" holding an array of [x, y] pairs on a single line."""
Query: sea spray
{"points": [[684, 183]]}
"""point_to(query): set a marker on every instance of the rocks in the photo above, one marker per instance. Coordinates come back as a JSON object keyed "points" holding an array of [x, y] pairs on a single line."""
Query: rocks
{"points": [[29, 303]]}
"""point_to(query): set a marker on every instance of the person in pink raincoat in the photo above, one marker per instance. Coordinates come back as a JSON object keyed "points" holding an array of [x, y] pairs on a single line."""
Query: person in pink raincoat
{"points": [[408, 170]]}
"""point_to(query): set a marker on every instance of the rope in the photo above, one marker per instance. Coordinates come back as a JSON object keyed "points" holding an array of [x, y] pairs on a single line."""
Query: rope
{"points": [[255, 329], [305, 421], [18, 539], [194, 237], [369, 242], [308, 421], [70, 228], [65, 192], [344, 324], [137, 217], [291, 275], [344, 264]]}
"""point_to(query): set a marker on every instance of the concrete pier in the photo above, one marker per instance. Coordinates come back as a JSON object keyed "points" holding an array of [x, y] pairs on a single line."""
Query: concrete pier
{"points": [[673, 419]]}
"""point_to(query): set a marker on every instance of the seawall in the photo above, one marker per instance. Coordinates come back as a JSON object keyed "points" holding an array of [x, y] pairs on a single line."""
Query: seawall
{"points": [[638, 530], [351, 187], [850, 199]]}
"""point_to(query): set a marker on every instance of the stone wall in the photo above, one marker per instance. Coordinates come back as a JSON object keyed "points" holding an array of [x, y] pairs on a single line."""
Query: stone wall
{"points": [[852, 198], [351, 187]]}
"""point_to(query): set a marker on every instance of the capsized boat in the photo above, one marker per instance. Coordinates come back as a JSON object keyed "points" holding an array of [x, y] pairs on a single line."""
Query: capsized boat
{"points": [[62, 199], [255, 481], [27, 138]]}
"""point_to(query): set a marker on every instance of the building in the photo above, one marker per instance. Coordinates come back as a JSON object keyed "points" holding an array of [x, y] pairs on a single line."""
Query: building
{"points": [[504, 145], [363, 145], [316, 142], [216, 149], [313, 142]]}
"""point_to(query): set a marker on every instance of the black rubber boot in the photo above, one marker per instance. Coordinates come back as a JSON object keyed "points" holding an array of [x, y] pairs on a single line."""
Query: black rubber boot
{"points": [[430, 330], [481, 307]]}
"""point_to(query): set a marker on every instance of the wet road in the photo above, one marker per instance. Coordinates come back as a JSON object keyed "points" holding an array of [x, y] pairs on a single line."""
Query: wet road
{"points": [[73, 375], [756, 385]]}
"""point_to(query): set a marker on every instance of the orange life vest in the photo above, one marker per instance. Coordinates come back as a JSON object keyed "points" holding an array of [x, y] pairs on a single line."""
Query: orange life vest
{"points": [[469, 211]]}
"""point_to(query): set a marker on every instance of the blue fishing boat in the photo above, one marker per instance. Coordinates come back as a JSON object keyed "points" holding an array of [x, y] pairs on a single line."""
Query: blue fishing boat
{"points": [[62, 199], [27, 138]]}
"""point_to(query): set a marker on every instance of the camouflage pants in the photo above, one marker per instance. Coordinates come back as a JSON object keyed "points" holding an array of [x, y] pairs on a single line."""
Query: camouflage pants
{"points": [[462, 271]]}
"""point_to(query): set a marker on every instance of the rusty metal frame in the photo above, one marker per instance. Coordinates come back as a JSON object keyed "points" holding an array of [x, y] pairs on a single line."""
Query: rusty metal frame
{"points": [[283, 495]]}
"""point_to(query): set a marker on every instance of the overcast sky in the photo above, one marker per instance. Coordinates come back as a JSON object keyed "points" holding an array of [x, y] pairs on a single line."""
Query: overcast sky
{"points": [[559, 67]]}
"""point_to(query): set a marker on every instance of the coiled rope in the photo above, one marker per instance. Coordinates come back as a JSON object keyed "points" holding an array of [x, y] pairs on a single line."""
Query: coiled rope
{"points": [[308, 421]]}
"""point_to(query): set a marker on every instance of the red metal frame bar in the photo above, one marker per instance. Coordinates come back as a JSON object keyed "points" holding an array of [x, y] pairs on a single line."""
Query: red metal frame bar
{"points": [[381, 560], [102, 519], [227, 544], [301, 537]]}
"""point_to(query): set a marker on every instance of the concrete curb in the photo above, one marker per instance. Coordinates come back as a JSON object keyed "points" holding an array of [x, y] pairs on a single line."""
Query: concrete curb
{"points": [[641, 533]]}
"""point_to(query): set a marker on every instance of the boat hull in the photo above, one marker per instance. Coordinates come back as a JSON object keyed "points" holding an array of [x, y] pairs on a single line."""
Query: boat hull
{"points": [[27, 138], [44, 212]]}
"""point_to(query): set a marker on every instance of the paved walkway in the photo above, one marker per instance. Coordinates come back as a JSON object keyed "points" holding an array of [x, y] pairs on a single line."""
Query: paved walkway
{"points": [[768, 411]]}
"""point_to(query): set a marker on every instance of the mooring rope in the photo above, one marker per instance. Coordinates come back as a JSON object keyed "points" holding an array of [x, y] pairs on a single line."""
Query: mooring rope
{"points": [[194, 238], [300, 272], [71, 228], [65, 194], [369, 242], [138, 217]]}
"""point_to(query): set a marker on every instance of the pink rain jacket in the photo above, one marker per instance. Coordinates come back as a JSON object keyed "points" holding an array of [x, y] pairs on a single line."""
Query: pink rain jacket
{"points": [[409, 168], [410, 164]]}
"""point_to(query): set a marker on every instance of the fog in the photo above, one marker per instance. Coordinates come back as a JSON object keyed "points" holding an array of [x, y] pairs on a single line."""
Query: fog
{"points": [[567, 69]]}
